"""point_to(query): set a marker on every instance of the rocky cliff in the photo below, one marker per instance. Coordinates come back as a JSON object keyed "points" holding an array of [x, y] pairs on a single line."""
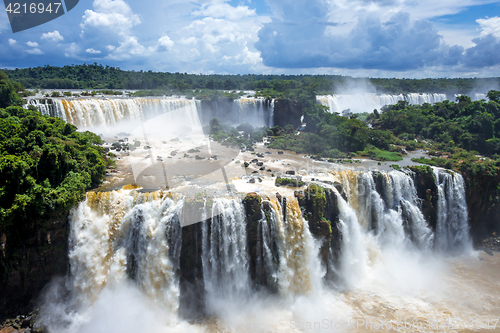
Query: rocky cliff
{"points": [[30, 257]]}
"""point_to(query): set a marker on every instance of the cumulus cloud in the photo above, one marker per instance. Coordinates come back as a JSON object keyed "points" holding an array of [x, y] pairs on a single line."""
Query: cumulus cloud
{"points": [[53, 36], [115, 15], [396, 44], [305, 36], [72, 50], [34, 51], [12, 42], [92, 51], [224, 10], [490, 26], [165, 42], [32, 44], [128, 48]]}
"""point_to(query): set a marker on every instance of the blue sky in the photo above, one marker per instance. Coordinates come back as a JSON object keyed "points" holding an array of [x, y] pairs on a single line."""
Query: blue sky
{"points": [[368, 38]]}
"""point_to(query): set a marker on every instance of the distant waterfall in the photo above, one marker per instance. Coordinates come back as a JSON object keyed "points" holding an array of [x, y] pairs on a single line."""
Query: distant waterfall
{"points": [[93, 112], [452, 229], [256, 111], [358, 103], [87, 113]]}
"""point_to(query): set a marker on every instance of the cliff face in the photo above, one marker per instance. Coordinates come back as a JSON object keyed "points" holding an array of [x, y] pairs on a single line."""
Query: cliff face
{"points": [[287, 112], [319, 206], [427, 192], [482, 196], [483, 201], [28, 261]]}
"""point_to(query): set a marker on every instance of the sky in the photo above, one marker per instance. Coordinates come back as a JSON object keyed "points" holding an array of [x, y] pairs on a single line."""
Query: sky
{"points": [[362, 38]]}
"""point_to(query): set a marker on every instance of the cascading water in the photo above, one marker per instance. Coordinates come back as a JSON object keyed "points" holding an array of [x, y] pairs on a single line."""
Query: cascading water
{"points": [[120, 234], [359, 103], [128, 237], [94, 112], [452, 229], [256, 111], [225, 256], [87, 113]]}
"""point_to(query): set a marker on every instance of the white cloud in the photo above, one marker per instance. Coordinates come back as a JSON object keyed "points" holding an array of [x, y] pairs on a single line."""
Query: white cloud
{"points": [[53, 36], [72, 51], [224, 10], [32, 44], [12, 42], [165, 42], [490, 26], [128, 48], [92, 51], [114, 15], [187, 41], [34, 51]]}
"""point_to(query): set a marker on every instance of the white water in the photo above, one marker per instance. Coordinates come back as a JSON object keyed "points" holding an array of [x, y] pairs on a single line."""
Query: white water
{"points": [[125, 248], [109, 112], [359, 103], [256, 111], [452, 230], [225, 256]]}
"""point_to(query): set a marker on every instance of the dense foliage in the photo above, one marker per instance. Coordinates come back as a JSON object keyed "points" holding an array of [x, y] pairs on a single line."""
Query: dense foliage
{"points": [[45, 166], [8, 91], [94, 76], [465, 124]]}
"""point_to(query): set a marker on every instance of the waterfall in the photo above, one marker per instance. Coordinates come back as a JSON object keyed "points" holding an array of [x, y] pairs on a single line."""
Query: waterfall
{"points": [[124, 234], [256, 111], [246, 248], [352, 266], [358, 103], [93, 112], [452, 229], [387, 205], [299, 267], [225, 256]]}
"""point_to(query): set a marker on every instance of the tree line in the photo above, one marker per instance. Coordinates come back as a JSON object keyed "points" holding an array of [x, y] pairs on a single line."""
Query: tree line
{"points": [[96, 76]]}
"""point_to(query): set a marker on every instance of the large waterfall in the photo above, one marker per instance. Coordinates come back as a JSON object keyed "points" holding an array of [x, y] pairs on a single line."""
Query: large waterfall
{"points": [[358, 103], [108, 112], [104, 113], [256, 259]]}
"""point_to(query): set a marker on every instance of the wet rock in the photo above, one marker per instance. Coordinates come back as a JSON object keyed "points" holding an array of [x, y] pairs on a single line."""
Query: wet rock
{"points": [[260, 163], [290, 172], [254, 160], [280, 152], [491, 245], [198, 157], [262, 169]]}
